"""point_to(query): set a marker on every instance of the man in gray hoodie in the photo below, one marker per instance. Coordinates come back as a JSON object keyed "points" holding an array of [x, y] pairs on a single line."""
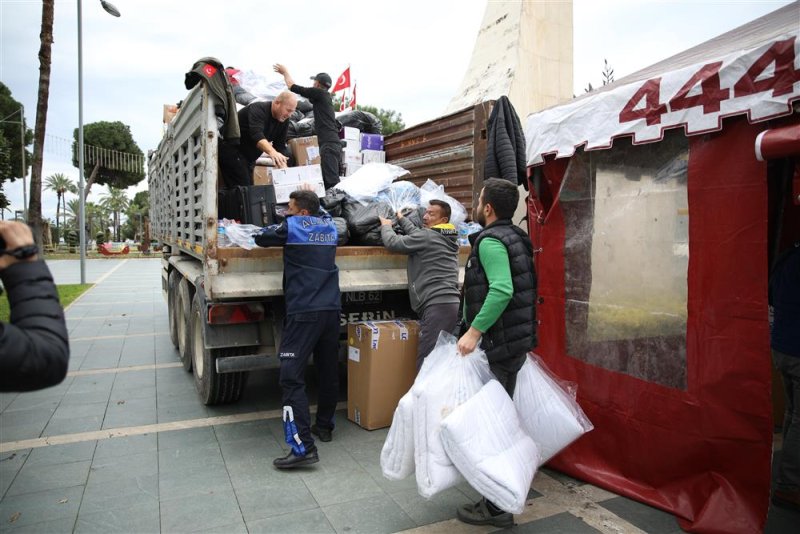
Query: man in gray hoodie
{"points": [[432, 271]]}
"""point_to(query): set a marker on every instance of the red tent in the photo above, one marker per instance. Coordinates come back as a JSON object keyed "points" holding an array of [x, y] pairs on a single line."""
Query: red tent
{"points": [[655, 224]]}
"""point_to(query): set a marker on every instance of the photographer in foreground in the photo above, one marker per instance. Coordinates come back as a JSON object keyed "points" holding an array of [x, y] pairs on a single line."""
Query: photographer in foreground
{"points": [[34, 347]]}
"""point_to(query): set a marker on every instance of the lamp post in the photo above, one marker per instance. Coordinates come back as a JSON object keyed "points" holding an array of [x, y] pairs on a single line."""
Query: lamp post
{"points": [[110, 9]]}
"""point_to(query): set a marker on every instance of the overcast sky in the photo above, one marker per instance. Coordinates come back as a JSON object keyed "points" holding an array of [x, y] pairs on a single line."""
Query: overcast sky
{"points": [[407, 56]]}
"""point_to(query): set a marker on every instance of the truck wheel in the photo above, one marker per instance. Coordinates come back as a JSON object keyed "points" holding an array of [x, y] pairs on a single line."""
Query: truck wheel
{"points": [[172, 305], [213, 387], [183, 317]]}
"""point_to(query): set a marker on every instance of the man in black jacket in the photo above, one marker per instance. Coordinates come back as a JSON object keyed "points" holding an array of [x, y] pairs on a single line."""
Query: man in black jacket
{"points": [[311, 325], [499, 305], [34, 347], [263, 127], [330, 148]]}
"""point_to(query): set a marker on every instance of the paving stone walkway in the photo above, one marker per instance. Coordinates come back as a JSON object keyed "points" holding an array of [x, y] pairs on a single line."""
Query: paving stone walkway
{"points": [[124, 445]]}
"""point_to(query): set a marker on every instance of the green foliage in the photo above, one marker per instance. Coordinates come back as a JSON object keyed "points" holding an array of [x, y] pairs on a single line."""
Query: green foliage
{"points": [[391, 121], [115, 202], [136, 212], [10, 131], [114, 170]]}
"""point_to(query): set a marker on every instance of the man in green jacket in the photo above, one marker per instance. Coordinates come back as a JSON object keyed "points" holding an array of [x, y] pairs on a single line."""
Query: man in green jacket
{"points": [[499, 305], [432, 271]]}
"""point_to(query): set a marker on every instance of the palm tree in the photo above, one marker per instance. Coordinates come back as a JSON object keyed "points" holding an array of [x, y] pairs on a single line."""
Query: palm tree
{"points": [[116, 202], [46, 42], [62, 185]]}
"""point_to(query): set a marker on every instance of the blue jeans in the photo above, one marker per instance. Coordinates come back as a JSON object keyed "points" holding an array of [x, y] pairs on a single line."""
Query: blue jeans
{"points": [[789, 468]]}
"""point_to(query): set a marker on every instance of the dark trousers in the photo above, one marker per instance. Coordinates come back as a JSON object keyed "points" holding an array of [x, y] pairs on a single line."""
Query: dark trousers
{"points": [[331, 156], [433, 319], [236, 170], [304, 334]]}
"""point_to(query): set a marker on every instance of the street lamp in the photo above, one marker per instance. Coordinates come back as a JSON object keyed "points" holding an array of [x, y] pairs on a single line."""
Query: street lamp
{"points": [[110, 9]]}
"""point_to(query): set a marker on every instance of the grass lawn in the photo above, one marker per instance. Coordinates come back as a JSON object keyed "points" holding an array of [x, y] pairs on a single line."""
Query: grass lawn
{"points": [[66, 294]]}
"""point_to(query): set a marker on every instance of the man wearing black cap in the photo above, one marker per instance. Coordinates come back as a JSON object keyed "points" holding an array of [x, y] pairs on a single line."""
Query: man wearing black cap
{"points": [[330, 148]]}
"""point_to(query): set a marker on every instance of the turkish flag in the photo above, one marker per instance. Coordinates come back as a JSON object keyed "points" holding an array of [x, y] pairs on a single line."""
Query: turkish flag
{"points": [[343, 81], [353, 100]]}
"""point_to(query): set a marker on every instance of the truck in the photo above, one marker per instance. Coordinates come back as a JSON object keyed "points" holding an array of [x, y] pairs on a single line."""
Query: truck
{"points": [[225, 304]]}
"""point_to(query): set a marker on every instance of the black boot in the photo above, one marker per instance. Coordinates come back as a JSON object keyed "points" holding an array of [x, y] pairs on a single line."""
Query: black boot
{"points": [[290, 461], [323, 434]]}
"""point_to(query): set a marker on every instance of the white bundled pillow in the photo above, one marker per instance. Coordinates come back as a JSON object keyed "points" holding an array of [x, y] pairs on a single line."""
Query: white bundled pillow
{"points": [[484, 440], [446, 380], [548, 413], [397, 455]]}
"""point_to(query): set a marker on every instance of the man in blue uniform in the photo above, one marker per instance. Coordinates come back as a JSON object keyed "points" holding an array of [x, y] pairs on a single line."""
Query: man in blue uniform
{"points": [[311, 325]]}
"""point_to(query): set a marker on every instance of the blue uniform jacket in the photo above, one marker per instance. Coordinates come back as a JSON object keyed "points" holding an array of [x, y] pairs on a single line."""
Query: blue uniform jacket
{"points": [[310, 274]]}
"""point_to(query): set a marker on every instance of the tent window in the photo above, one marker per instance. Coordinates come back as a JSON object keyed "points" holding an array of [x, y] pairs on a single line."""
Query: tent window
{"points": [[626, 258]]}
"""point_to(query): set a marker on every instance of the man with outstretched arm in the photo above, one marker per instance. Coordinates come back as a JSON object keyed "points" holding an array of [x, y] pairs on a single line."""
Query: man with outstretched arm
{"points": [[325, 124]]}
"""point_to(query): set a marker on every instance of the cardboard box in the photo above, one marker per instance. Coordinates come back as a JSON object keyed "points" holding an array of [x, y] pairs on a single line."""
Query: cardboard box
{"points": [[289, 179], [381, 366], [352, 145], [261, 175], [373, 156], [351, 156], [170, 110], [348, 132], [305, 150], [371, 142]]}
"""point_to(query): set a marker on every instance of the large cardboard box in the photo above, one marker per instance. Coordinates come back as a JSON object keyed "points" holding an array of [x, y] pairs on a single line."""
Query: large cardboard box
{"points": [[305, 150], [289, 179], [351, 156], [381, 366], [371, 141], [261, 175]]}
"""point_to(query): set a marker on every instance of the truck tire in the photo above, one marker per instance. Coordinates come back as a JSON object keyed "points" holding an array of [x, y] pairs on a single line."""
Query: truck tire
{"points": [[213, 387], [183, 319], [172, 305]]}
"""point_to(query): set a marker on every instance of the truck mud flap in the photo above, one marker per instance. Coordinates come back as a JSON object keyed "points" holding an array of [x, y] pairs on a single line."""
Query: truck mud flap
{"points": [[251, 362]]}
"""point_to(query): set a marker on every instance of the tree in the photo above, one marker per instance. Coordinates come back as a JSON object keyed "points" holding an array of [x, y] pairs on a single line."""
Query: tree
{"points": [[46, 39], [11, 113], [115, 202], [111, 156], [137, 213], [62, 185], [96, 216]]}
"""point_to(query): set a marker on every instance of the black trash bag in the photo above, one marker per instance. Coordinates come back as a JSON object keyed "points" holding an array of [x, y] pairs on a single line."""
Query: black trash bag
{"points": [[297, 115], [363, 120], [308, 114], [414, 215], [363, 221], [304, 106], [342, 231], [299, 129], [332, 202]]}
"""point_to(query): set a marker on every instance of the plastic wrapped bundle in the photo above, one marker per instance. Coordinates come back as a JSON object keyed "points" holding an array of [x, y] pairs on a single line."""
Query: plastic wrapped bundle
{"points": [[400, 195], [397, 454], [485, 441], [547, 408], [430, 190], [363, 120], [372, 178], [450, 381]]}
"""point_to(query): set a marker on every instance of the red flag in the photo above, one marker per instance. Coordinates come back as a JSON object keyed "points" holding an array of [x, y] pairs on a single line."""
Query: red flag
{"points": [[341, 104], [353, 101], [343, 81]]}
